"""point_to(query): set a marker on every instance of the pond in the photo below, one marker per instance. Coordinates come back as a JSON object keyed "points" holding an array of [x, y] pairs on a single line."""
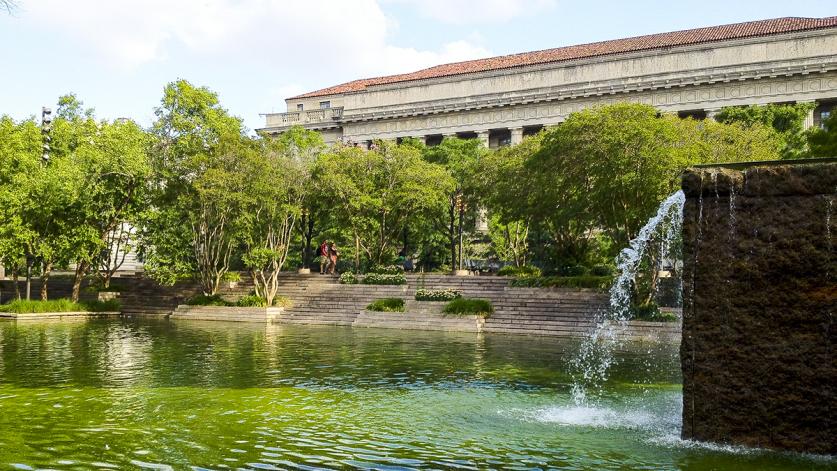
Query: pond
{"points": [[125, 394]]}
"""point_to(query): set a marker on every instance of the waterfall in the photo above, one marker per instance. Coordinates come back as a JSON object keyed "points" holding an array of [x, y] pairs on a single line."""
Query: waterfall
{"points": [[589, 368]]}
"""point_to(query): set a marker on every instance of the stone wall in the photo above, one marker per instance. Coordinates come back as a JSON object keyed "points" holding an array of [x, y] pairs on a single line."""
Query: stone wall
{"points": [[759, 304]]}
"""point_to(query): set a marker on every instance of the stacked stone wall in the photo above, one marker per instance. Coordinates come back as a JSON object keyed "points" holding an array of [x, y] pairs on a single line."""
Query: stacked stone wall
{"points": [[759, 305]]}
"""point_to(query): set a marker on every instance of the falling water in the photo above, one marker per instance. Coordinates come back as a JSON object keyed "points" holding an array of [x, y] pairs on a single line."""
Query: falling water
{"points": [[595, 356]]}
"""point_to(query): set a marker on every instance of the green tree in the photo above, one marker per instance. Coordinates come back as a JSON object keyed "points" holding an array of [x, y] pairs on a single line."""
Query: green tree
{"points": [[787, 119], [463, 159], [374, 194], [193, 224], [823, 141]]}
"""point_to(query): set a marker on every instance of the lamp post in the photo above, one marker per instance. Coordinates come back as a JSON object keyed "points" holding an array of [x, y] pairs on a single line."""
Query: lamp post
{"points": [[46, 128]]}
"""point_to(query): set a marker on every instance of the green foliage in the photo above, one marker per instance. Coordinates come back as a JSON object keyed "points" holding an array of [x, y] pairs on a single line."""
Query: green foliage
{"points": [[348, 278], [387, 270], [110, 305], [601, 283], [525, 270], [823, 141], [374, 194], [383, 279], [386, 305], [651, 313], [573, 270], [22, 306], [283, 301], [232, 276], [787, 119], [601, 270], [469, 307], [208, 300], [447, 294], [251, 300]]}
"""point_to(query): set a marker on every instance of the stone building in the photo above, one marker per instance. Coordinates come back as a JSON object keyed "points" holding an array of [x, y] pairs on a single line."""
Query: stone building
{"points": [[501, 99]]}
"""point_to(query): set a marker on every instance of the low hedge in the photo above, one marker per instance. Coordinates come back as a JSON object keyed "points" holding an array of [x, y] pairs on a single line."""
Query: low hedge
{"points": [[384, 279], [387, 269], [437, 294], [601, 283], [204, 300], [526, 270], [252, 300], [348, 278], [386, 305], [469, 307], [22, 306], [651, 313]]}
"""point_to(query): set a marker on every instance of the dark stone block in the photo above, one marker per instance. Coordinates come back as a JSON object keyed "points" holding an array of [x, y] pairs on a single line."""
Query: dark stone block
{"points": [[759, 301]]}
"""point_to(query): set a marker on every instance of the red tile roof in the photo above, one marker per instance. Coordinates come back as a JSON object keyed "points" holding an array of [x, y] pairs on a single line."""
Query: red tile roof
{"points": [[616, 46]]}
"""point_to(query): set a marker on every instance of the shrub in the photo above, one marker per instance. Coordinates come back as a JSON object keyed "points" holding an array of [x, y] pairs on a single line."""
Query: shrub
{"points": [[22, 306], [601, 283], [111, 305], [204, 300], [382, 279], [252, 300], [437, 294], [231, 276], [601, 270], [283, 301], [573, 270], [467, 307], [387, 269], [348, 278], [386, 305], [526, 270], [651, 313]]}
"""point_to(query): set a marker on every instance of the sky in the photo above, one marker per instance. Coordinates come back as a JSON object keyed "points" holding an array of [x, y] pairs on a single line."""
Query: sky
{"points": [[117, 55]]}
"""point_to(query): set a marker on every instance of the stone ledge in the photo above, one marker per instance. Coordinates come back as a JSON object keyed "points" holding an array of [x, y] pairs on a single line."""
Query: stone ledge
{"points": [[227, 313], [57, 315]]}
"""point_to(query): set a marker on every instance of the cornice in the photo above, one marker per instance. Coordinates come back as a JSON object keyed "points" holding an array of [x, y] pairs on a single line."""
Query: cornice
{"points": [[647, 82]]}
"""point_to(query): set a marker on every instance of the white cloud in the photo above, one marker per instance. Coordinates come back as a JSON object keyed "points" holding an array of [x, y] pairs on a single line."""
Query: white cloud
{"points": [[282, 48], [477, 11]]}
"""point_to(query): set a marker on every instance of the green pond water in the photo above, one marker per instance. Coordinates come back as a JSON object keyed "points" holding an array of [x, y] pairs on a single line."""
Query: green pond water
{"points": [[126, 394]]}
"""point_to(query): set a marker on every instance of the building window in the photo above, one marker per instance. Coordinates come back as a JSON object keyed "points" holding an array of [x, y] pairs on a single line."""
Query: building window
{"points": [[299, 106], [324, 105], [823, 116]]}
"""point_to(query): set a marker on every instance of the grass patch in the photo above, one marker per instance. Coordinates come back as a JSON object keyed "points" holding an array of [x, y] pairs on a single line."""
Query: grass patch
{"points": [[251, 301], [386, 305], [22, 306], [469, 307], [601, 283]]}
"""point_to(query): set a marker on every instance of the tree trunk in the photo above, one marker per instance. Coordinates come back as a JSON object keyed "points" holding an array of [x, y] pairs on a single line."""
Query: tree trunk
{"points": [[29, 278], [81, 270], [452, 233], [45, 280], [15, 281]]}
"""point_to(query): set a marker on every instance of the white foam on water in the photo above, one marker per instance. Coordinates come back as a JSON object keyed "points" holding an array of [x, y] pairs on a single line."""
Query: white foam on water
{"points": [[596, 417]]}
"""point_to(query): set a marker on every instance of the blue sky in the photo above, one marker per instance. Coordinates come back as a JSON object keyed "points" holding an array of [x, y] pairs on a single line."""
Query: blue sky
{"points": [[117, 55]]}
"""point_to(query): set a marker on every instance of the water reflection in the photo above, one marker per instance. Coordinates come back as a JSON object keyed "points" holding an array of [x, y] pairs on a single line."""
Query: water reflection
{"points": [[189, 395]]}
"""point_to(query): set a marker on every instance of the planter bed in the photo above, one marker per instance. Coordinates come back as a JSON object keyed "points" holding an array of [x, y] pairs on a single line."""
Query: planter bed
{"points": [[56, 315], [227, 313]]}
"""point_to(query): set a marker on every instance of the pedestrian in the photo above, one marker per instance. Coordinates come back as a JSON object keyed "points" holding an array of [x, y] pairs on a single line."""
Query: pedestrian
{"points": [[333, 254], [323, 252]]}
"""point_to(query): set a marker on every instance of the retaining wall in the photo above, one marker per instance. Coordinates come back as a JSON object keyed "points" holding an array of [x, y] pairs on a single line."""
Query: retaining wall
{"points": [[759, 305]]}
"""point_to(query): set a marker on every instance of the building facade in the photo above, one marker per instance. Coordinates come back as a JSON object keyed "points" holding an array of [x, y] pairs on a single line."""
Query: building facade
{"points": [[500, 100]]}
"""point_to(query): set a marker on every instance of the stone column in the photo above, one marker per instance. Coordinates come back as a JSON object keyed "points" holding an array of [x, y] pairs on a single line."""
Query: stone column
{"points": [[516, 136], [711, 113], [809, 118], [483, 137]]}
